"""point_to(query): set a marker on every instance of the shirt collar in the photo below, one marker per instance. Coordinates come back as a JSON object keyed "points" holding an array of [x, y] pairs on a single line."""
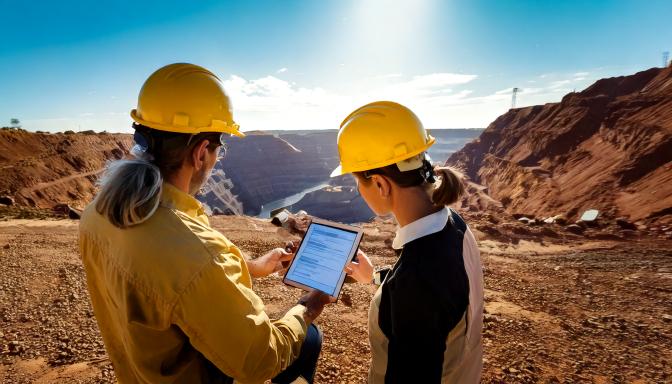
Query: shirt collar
{"points": [[172, 197], [424, 226]]}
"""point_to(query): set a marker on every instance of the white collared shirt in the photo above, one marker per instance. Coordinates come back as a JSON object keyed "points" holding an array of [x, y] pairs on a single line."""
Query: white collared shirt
{"points": [[424, 226]]}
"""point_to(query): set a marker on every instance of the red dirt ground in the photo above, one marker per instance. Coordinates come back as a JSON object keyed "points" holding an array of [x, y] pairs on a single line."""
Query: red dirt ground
{"points": [[565, 311]]}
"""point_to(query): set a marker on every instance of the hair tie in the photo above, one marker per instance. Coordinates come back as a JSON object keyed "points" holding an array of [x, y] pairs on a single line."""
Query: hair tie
{"points": [[427, 171], [141, 148]]}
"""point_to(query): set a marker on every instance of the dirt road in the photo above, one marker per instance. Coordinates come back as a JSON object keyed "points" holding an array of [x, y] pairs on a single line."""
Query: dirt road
{"points": [[596, 312]]}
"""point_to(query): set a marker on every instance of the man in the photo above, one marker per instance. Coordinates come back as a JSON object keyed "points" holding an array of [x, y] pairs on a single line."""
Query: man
{"points": [[173, 297]]}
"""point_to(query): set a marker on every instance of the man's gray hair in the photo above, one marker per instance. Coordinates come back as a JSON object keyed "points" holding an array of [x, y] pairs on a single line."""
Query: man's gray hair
{"points": [[130, 190]]}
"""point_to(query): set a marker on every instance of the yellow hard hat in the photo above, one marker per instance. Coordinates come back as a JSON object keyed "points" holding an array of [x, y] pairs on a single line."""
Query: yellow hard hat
{"points": [[379, 134], [185, 98]]}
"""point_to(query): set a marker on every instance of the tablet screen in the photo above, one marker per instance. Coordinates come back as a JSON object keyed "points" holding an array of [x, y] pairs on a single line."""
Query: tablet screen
{"points": [[320, 260]]}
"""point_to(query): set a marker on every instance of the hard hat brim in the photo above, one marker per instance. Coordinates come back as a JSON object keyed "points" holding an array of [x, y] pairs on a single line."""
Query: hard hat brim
{"points": [[337, 172], [225, 128]]}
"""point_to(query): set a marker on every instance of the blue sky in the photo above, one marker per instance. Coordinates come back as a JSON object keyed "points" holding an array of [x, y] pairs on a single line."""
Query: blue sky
{"points": [[306, 64]]}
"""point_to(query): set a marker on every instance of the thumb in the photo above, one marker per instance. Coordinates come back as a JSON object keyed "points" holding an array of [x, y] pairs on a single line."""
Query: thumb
{"points": [[350, 268], [284, 255]]}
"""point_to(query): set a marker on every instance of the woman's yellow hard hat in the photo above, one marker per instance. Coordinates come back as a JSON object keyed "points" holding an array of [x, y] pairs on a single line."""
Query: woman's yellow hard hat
{"points": [[379, 134], [185, 98]]}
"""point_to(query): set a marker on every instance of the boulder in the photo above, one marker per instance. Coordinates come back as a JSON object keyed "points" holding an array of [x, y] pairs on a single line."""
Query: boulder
{"points": [[6, 200], [526, 220], [575, 228], [625, 224], [296, 224], [557, 219], [61, 209], [590, 215], [74, 214], [280, 217], [549, 220], [66, 210]]}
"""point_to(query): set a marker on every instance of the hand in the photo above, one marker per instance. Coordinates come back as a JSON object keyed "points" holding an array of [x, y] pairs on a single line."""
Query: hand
{"points": [[314, 302], [292, 246], [362, 269], [269, 263]]}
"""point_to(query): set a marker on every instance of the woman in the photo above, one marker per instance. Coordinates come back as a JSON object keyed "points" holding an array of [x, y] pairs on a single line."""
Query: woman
{"points": [[425, 320]]}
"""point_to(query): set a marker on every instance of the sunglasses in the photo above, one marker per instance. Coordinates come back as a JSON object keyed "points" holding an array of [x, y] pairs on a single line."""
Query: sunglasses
{"points": [[217, 142], [223, 148]]}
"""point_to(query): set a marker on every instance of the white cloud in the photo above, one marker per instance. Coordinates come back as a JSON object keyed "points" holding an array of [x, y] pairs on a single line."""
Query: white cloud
{"points": [[559, 83], [270, 93], [281, 70], [438, 80], [389, 76], [441, 100], [506, 91], [273, 103], [424, 86]]}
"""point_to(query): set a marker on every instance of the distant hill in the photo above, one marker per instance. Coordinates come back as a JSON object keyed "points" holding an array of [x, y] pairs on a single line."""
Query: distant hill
{"points": [[608, 147], [271, 165], [43, 169]]}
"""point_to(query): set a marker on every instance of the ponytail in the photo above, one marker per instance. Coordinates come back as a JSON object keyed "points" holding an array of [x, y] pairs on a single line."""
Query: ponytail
{"points": [[130, 192], [450, 189], [447, 190]]}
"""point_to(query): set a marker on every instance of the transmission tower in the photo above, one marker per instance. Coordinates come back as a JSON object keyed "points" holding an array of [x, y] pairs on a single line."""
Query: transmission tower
{"points": [[666, 58], [513, 97]]}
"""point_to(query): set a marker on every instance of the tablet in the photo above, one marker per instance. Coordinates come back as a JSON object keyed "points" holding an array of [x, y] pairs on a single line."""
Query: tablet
{"points": [[325, 250]]}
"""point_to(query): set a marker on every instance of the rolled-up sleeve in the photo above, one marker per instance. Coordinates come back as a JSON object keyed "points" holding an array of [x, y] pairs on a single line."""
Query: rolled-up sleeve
{"points": [[225, 321]]}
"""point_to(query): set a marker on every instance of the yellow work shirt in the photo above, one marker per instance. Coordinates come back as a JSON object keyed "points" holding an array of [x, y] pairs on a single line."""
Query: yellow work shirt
{"points": [[172, 297]]}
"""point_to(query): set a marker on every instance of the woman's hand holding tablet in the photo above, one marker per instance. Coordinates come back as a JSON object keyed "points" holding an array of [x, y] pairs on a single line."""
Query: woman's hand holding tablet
{"points": [[360, 269]]}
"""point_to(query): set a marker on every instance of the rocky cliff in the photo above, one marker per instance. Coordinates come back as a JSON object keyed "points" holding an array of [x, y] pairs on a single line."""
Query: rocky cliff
{"points": [[216, 195], [608, 147], [41, 169], [339, 203], [265, 167]]}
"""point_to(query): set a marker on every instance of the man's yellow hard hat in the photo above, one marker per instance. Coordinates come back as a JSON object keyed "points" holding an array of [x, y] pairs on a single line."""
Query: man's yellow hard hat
{"points": [[185, 98], [379, 134]]}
